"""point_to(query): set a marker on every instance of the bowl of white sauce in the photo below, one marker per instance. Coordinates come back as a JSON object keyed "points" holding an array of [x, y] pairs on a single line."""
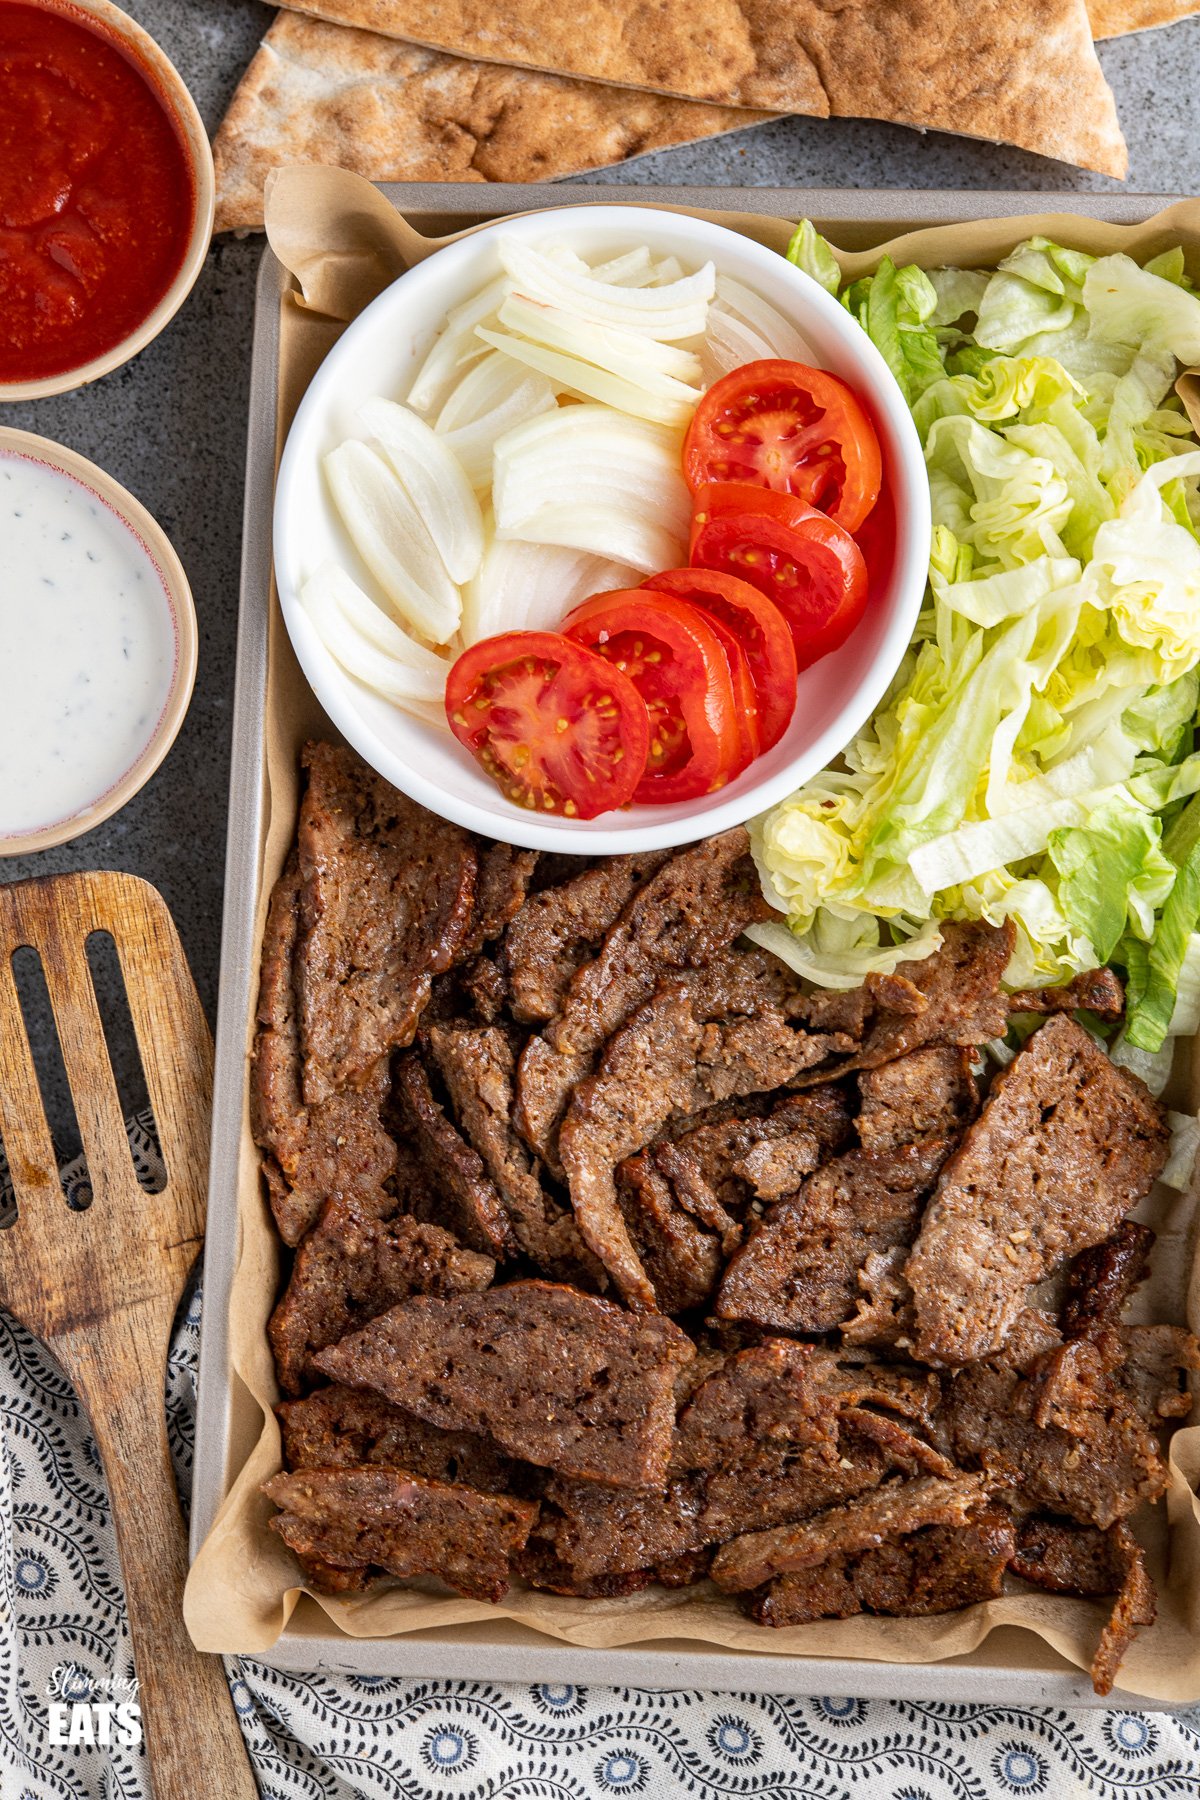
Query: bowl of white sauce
{"points": [[97, 644]]}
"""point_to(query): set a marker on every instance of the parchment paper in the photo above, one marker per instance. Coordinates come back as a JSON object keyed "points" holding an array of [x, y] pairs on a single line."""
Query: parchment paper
{"points": [[344, 242]]}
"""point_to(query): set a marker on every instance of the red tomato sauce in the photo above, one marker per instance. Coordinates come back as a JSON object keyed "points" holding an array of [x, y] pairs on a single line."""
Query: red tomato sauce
{"points": [[97, 196]]}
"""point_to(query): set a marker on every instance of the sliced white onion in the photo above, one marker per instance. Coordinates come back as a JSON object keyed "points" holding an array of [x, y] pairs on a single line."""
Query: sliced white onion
{"points": [[668, 270], [456, 341], [631, 354], [389, 534], [591, 455], [532, 587], [633, 269], [435, 482], [583, 381], [770, 324], [678, 310], [729, 344], [507, 393], [369, 645], [606, 530], [486, 385]]}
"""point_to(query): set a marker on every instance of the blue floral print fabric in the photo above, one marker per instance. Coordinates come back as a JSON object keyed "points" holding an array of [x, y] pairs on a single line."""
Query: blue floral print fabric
{"points": [[63, 1639]]}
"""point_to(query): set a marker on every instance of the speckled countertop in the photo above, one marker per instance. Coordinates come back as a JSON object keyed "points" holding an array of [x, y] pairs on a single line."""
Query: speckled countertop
{"points": [[172, 424]]}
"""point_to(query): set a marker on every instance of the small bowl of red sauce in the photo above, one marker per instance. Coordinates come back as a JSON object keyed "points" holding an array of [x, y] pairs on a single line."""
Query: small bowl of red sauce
{"points": [[106, 193]]}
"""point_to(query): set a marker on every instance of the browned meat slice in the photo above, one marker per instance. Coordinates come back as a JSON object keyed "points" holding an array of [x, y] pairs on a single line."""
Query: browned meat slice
{"points": [[339, 1147], [345, 1150], [340, 1426], [1070, 1559], [556, 1377], [587, 1532], [501, 886], [1066, 1144], [558, 929], [278, 1115], [393, 1521], [884, 1316], [1097, 991], [333, 1578], [1092, 1458], [695, 905], [1034, 1334], [478, 1066], [483, 985], [892, 1511], [458, 1189], [951, 997], [757, 1398], [928, 1093], [1136, 1606], [935, 1570], [691, 1190], [681, 1260], [754, 1145], [799, 1270], [720, 1033], [905, 1450], [756, 1445], [848, 1010], [1153, 1370], [386, 903], [1102, 1278], [854, 1379], [354, 1265], [776, 1165]]}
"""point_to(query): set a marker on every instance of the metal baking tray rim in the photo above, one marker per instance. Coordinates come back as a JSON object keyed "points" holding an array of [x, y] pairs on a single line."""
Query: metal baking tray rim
{"points": [[1011, 1666]]}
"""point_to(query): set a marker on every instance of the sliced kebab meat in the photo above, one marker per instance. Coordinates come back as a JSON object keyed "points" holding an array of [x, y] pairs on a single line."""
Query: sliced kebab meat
{"points": [[556, 1377], [727, 1029], [695, 905], [386, 903], [1066, 1145]]}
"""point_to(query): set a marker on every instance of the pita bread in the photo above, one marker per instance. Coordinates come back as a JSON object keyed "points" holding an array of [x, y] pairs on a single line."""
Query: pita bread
{"points": [[1114, 18], [317, 92], [1020, 71]]}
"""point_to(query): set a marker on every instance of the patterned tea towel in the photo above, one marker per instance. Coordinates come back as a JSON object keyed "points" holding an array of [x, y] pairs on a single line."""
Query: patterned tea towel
{"points": [[63, 1641]]}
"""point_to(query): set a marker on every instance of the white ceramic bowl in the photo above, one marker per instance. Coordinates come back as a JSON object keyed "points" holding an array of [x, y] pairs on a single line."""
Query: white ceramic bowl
{"points": [[379, 353], [180, 616]]}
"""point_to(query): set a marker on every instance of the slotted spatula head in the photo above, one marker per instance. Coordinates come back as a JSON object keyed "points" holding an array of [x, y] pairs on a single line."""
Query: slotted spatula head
{"points": [[60, 1269]]}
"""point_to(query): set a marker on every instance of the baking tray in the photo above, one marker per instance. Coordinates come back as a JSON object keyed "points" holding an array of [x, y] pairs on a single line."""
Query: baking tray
{"points": [[1011, 1666]]}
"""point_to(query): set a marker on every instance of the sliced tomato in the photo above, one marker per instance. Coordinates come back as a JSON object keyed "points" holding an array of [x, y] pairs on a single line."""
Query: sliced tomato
{"points": [[745, 694], [758, 627], [795, 430], [798, 557], [679, 666], [877, 541], [557, 728]]}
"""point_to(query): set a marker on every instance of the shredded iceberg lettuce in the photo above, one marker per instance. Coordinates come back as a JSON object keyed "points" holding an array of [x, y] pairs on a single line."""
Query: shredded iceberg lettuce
{"points": [[1034, 758]]}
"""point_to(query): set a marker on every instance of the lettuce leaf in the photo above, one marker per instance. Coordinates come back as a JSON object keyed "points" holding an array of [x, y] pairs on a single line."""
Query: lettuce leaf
{"points": [[1035, 756], [895, 307], [1154, 974], [810, 252], [1111, 873]]}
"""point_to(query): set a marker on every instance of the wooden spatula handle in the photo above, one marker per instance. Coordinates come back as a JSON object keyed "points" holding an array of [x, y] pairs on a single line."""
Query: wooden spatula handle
{"points": [[192, 1734]]}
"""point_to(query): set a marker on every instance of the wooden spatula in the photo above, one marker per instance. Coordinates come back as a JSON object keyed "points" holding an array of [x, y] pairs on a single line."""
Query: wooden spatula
{"points": [[100, 1287]]}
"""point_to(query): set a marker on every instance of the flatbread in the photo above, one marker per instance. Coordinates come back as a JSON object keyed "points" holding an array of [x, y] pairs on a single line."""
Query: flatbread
{"points": [[1019, 71], [1114, 18], [317, 92]]}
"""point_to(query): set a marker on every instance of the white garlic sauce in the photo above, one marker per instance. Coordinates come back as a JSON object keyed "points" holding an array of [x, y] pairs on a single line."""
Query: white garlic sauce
{"points": [[87, 646]]}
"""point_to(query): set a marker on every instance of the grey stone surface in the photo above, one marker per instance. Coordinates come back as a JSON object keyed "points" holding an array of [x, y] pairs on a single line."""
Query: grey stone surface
{"points": [[171, 425]]}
